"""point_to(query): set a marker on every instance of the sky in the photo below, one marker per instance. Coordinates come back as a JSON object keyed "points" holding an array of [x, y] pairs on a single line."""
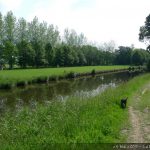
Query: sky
{"points": [[99, 20]]}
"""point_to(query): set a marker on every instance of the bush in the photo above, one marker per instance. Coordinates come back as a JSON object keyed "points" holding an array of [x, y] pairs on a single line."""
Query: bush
{"points": [[129, 68], [93, 72], [132, 68]]}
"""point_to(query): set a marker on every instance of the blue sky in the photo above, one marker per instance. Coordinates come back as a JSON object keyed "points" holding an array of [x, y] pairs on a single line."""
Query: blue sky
{"points": [[100, 20]]}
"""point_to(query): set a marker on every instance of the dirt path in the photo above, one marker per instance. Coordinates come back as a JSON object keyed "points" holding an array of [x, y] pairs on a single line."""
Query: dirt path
{"points": [[139, 119], [136, 134]]}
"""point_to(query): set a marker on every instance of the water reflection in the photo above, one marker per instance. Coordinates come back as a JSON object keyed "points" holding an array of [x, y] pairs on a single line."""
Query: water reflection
{"points": [[29, 96]]}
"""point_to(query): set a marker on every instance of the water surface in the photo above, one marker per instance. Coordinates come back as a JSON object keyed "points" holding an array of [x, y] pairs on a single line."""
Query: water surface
{"points": [[29, 96]]}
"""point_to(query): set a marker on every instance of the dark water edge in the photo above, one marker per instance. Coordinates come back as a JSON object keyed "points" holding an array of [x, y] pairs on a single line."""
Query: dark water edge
{"points": [[14, 99]]}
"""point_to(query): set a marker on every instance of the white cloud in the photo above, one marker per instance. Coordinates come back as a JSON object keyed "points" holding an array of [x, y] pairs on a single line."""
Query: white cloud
{"points": [[99, 20], [7, 5]]}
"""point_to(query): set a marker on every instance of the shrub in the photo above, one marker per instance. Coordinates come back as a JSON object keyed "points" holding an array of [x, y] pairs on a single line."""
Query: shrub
{"points": [[129, 68], [132, 68], [93, 72]]}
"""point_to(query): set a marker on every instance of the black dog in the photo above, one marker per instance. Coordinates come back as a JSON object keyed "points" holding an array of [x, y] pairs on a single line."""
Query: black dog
{"points": [[123, 103]]}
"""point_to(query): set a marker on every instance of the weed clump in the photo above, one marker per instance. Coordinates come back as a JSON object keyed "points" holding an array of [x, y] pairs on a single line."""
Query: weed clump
{"points": [[93, 72], [129, 68], [71, 75]]}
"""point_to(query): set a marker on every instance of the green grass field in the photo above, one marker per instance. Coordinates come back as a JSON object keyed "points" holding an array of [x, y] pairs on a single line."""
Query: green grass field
{"points": [[13, 76], [95, 120]]}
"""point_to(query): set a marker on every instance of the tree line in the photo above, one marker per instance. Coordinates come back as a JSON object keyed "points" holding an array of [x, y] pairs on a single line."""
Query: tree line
{"points": [[37, 44]]}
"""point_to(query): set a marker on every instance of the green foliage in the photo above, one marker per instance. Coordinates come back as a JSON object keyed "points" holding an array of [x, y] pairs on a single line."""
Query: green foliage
{"points": [[123, 55], [144, 34], [10, 54], [68, 56], [38, 59], [93, 72], [148, 65], [37, 44], [1, 29], [9, 26], [49, 54], [130, 68], [25, 54], [137, 58], [140, 57], [59, 59]]}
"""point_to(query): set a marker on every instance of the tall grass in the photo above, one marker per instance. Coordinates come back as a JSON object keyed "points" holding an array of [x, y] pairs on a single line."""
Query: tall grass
{"points": [[94, 120]]}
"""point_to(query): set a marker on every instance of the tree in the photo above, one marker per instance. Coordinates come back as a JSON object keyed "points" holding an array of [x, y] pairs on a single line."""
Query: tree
{"points": [[59, 57], [26, 54], [137, 58], [1, 42], [35, 40], [71, 38], [140, 57], [52, 35], [1, 29], [91, 54], [10, 54], [9, 27], [109, 46], [49, 54], [109, 58], [39, 54], [144, 34], [82, 59], [123, 55], [21, 30], [148, 65], [9, 39], [68, 55]]}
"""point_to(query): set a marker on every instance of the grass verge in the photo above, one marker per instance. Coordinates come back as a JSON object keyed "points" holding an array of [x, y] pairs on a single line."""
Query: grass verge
{"points": [[20, 77], [94, 120]]}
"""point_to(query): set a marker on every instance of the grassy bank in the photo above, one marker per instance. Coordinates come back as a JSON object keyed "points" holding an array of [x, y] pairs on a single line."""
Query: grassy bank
{"points": [[20, 77], [139, 129], [94, 120]]}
